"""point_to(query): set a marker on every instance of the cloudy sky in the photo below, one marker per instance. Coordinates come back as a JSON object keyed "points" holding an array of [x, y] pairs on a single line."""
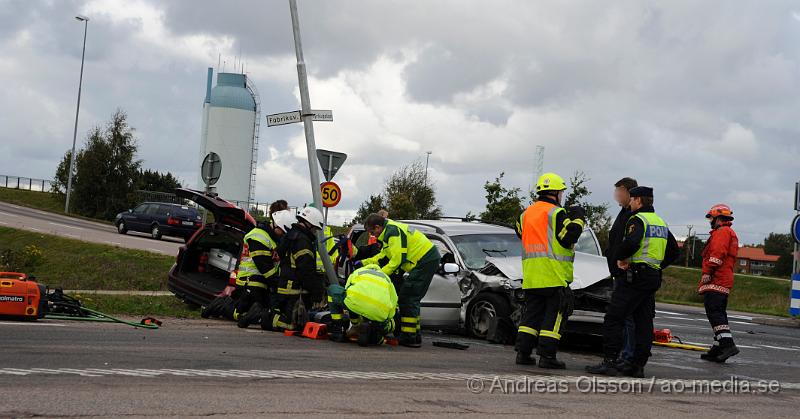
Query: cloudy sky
{"points": [[698, 99]]}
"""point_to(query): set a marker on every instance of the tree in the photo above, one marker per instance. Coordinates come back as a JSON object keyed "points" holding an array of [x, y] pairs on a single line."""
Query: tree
{"points": [[407, 194], [154, 181], [781, 245], [105, 170], [503, 205], [596, 214]]}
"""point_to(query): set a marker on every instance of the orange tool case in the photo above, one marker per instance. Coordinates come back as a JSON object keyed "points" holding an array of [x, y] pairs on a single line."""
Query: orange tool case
{"points": [[20, 297]]}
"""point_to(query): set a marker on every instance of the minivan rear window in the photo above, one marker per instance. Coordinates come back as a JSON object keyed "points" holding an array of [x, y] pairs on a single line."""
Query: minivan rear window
{"points": [[184, 212]]}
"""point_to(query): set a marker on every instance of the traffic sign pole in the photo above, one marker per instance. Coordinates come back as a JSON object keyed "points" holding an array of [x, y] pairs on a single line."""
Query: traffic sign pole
{"points": [[330, 168], [308, 126], [794, 297]]}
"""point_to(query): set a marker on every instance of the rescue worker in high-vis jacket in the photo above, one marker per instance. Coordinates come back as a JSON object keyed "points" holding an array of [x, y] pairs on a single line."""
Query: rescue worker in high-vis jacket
{"points": [[257, 271], [719, 257], [410, 252], [298, 273], [647, 248], [330, 247], [371, 303], [549, 233]]}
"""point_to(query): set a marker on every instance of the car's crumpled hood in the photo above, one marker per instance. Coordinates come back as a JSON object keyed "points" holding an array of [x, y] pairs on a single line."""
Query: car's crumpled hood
{"points": [[588, 269]]}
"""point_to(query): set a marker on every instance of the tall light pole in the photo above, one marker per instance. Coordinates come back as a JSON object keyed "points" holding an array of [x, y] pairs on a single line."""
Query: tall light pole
{"points": [[308, 127], [427, 159], [85, 21]]}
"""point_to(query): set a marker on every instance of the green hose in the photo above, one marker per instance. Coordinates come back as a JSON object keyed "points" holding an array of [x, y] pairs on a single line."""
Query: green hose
{"points": [[99, 317]]}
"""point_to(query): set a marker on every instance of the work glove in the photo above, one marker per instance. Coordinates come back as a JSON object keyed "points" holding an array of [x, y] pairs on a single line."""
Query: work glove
{"points": [[576, 213], [358, 264]]}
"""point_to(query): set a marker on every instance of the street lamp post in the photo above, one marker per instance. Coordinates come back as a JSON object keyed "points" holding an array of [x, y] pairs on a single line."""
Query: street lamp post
{"points": [[427, 159], [85, 21]]}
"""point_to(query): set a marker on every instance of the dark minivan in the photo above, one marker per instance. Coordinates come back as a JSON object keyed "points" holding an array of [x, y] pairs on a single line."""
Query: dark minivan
{"points": [[160, 219], [206, 265]]}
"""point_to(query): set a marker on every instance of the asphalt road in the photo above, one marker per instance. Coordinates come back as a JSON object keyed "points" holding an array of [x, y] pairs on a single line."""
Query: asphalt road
{"points": [[212, 368], [75, 228]]}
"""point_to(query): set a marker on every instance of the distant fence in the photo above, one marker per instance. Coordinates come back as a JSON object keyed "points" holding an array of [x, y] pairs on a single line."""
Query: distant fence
{"points": [[26, 183]]}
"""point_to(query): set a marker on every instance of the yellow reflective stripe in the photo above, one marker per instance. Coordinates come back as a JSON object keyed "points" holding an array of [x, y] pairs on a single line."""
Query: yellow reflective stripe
{"points": [[408, 329], [336, 316], [528, 330], [548, 334], [408, 319], [373, 280], [330, 299], [289, 291], [301, 253], [255, 253], [556, 328]]}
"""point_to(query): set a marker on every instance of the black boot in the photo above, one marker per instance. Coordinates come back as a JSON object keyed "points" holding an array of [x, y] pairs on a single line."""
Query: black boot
{"points": [[551, 362], [409, 340], [525, 359], [629, 369], [711, 355], [364, 330], [726, 352], [214, 308], [253, 316], [605, 367], [337, 332]]}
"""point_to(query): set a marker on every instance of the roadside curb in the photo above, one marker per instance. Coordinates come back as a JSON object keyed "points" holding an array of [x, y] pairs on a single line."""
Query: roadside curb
{"points": [[120, 292]]}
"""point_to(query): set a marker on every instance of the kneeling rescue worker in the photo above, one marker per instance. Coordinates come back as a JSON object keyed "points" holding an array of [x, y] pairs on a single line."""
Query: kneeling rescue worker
{"points": [[647, 248], [409, 252], [371, 302], [719, 256], [549, 233]]}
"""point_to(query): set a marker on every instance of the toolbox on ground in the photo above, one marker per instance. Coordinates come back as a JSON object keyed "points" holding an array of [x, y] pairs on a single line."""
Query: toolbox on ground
{"points": [[21, 297]]}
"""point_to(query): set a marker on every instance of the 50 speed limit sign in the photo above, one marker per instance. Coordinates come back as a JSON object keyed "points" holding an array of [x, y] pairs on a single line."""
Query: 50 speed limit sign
{"points": [[331, 194]]}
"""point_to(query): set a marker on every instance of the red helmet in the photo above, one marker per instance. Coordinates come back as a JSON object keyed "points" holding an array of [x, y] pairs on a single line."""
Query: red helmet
{"points": [[720, 210]]}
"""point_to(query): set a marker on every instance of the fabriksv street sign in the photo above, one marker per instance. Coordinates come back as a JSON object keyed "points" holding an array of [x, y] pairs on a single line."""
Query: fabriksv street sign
{"points": [[284, 118]]}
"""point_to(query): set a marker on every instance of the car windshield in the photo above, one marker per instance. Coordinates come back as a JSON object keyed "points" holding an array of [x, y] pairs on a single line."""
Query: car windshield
{"points": [[474, 248]]}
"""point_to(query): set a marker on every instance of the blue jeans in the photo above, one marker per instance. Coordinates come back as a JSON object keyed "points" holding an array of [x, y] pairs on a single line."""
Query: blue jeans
{"points": [[628, 341]]}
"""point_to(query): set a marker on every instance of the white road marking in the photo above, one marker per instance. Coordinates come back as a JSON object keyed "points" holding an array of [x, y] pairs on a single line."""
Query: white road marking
{"points": [[9, 215], [114, 243], [779, 348], [66, 226], [3, 222], [31, 324], [670, 312], [736, 316], [684, 318], [738, 322]]}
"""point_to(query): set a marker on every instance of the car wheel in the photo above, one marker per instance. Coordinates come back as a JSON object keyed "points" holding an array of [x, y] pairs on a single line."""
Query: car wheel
{"points": [[121, 227], [155, 232], [482, 310]]}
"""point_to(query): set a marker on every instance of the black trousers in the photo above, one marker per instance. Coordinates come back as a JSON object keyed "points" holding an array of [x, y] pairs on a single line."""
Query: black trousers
{"points": [[249, 296], [716, 305], [541, 322], [636, 298]]}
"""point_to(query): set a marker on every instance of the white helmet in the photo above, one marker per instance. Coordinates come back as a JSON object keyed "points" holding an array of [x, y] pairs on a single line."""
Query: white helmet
{"points": [[312, 216], [284, 219]]}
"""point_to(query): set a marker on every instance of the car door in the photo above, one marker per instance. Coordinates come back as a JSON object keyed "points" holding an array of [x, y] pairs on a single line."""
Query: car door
{"points": [[135, 219], [441, 306]]}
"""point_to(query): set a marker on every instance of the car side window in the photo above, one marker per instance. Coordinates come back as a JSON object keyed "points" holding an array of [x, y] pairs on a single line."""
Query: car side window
{"points": [[152, 209], [447, 254], [587, 244], [164, 210], [141, 208]]}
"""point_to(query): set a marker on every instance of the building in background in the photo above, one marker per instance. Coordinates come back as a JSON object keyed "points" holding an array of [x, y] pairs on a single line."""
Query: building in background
{"points": [[231, 114], [753, 261]]}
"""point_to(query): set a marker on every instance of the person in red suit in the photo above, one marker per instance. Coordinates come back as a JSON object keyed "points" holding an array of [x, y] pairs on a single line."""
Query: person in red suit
{"points": [[719, 256]]}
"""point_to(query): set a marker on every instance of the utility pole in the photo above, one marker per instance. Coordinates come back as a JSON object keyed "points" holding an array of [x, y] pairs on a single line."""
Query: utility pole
{"points": [[311, 147], [427, 159], [85, 21], [686, 245]]}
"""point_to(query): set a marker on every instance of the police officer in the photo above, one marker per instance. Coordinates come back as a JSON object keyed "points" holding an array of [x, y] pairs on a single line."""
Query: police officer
{"points": [[298, 273], [409, 252], [647, 248], [615, 235], [549, 233], [371, 302]]}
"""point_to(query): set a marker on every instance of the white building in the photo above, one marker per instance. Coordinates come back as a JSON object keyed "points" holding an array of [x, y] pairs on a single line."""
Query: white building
{"points": [[230, 129]]}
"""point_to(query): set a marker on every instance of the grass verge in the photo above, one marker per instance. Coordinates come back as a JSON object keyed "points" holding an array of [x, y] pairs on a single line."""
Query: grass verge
{"points": [[138, 305], [44, 201], [750, 294], [73, 264]]}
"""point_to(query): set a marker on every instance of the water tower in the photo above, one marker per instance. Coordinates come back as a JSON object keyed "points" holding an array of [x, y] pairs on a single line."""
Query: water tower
{"points": [[231, 114]]}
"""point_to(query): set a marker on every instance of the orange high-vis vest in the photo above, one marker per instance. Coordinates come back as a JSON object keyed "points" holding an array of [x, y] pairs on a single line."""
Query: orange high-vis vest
{"points": [[545, 263]]}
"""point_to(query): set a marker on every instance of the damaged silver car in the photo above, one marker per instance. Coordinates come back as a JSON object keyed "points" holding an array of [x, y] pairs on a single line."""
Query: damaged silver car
{"points": [[480, 280]]}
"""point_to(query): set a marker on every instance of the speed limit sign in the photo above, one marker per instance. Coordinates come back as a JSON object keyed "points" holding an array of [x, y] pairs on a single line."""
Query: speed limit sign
{"points": [[331, 194]]}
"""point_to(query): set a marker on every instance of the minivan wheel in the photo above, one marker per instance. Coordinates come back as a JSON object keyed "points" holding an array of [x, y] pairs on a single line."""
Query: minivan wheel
{"points": [[481, 312], [155, 232], [121, 227]]}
